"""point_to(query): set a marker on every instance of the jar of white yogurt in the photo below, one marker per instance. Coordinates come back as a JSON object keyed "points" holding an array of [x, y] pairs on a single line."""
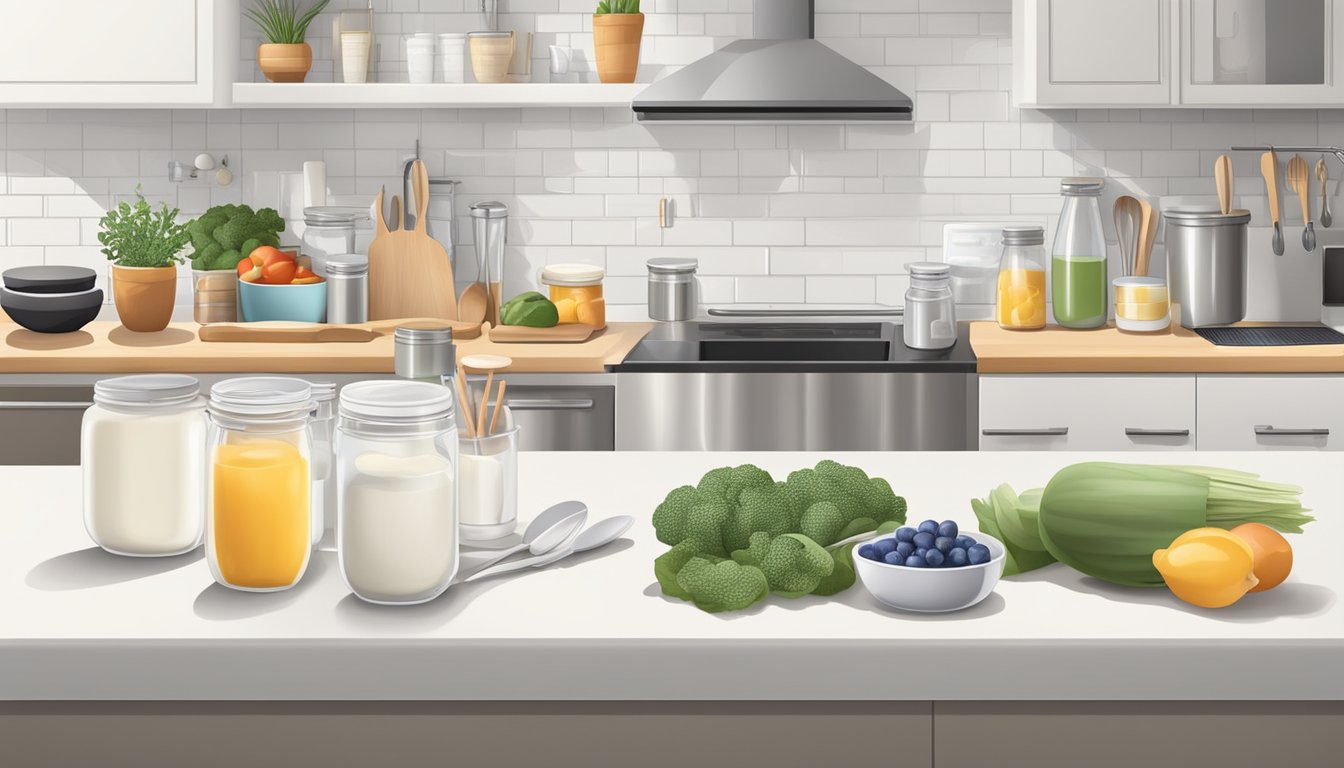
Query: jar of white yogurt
{"points": [[142, 450], [396, 470]]}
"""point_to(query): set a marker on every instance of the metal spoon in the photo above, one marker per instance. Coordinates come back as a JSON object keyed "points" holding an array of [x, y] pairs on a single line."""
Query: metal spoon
{"points": [[599, 534], [1323, 176], [552, 528]]}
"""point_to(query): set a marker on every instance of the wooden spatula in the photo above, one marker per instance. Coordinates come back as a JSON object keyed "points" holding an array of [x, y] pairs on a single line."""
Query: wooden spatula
{"points": [[1222, 176], [409, 271], [1147, 236], [1269, 169], [295, 333], [1301, 184]]}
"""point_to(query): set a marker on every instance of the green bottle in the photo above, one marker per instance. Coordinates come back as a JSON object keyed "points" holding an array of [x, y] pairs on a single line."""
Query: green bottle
{"points": [[1078, 273]]}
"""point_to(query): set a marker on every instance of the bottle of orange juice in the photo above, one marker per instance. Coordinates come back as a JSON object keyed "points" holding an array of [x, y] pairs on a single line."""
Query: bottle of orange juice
{"points": [[1020, 298]]}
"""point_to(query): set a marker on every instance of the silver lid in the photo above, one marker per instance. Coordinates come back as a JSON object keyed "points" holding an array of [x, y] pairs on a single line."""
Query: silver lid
{"points": [[348, 264], [1205, 216], [149, 390], [668, 265], [333, 215], [425, 334], [928, 270], [1081, 187], [490, 210], [1024, 235], [396, 401], [261, 396]]}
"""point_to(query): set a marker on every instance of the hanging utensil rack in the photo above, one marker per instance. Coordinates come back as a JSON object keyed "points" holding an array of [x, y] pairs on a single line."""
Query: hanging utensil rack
{"points": [[1319, 150]]}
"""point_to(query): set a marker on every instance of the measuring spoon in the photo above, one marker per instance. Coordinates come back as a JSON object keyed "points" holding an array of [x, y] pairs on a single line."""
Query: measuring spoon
{"points": [[553, 527], [599, 534]]}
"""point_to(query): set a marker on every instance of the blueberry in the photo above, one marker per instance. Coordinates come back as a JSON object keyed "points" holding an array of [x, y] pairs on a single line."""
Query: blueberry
{"points": [[943, 544], [929, 526], [978, 554], [915, 561], [924, 540], [964, 542], [867, 551], [934, 558], [957, 557], [905, 548], [905, 534], [893, 559], [883, 546], [947, 528], [921, 552]]}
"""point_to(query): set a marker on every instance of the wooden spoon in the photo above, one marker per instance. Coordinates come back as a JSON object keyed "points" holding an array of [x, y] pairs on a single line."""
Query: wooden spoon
{"points": [[1127, 213], [1323, 176], [1222, 176], [472, 305], [1301, 184], [1269, 169], [1147, 236], [489, 364]]}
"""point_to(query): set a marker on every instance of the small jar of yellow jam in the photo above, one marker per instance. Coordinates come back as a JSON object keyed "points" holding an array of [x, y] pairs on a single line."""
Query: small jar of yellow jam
{"points": [[576, 291]]}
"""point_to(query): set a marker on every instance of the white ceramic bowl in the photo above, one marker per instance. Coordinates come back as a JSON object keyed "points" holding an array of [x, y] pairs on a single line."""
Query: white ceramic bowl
{"points": [[932, 590]]}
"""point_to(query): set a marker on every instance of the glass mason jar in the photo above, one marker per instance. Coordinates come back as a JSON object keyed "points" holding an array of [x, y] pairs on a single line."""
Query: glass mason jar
{"points": [[396, 464], [328, 231], [576, 291], [258, 534], [1079, 281], [488, 478], [323, 427], [142, 450], [930, 320], [1019, 301]]}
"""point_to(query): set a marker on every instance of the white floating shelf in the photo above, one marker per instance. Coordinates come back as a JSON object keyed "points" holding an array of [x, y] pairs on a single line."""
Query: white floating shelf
{"points": [[433, 95]]}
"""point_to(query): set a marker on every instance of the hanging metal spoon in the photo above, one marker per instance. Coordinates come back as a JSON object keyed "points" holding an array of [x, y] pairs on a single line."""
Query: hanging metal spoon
{"points": [[1323, 176]]}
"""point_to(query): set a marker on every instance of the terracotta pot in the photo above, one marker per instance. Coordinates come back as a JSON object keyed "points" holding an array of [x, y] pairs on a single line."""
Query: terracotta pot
{"points": [[616, 37], [144, 296], [285, 63]]}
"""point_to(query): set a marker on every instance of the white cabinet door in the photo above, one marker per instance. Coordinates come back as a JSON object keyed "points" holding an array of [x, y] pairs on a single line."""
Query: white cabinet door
{"points": [[1087, 413], [95, 52], [1093, 52], [1271, 413], [1239, 53]]}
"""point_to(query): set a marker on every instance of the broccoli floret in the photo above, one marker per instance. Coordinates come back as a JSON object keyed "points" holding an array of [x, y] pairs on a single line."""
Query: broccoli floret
{"points": [[667, 565], [223, 235], [822, 522], [728, 482], [793, 564], [669, 519], [688, 513], [761, 508], [722, 586]]}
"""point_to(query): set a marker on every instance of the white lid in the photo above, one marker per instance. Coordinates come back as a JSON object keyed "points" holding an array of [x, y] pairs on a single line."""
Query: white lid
{"points": [[261, 396], [572, 274], [148, 390], [323, 390], [396, 400]]}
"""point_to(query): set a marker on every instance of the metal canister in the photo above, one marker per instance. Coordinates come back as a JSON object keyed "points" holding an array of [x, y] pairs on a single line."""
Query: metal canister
{"points": [[425, 352], [674, 293], [1206, 265], [347, 289]]}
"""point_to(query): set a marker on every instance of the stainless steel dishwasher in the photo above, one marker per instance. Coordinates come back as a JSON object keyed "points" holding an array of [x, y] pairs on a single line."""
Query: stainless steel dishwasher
{"points": [[562, 412]]}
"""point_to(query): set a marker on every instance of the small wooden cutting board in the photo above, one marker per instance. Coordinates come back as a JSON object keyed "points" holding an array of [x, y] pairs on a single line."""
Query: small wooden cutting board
{"points": [[280, 332], [409, 271], [560, 334]]}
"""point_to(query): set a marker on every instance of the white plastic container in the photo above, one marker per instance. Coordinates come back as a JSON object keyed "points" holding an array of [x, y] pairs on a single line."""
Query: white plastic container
{"points": [[142, 450], [356, 48], [972, 251], [452, 57], [420, 58]]}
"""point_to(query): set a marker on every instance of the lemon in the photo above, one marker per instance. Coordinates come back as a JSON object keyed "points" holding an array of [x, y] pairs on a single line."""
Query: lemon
{"points": [[569, 311], [1207, 567]]}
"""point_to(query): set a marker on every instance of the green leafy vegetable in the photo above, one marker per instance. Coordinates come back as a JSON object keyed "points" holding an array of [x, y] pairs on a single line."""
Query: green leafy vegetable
{"points": [[139, 236], [617, 6], [281, 22], [226, 234]]}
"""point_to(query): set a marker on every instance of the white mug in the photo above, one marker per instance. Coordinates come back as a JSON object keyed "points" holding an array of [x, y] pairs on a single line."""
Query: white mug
{"points": [[560, 58]]}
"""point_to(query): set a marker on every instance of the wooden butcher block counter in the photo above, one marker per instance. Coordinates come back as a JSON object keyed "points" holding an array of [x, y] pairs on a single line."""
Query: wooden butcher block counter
{"points": [[1107, 350], [106, 347]]}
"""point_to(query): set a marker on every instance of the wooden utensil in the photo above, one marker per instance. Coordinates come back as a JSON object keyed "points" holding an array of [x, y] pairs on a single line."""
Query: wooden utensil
{"points": [[561, 334], [464, 402], [409, 272], [1299, 182], [1126, 214], [280, 332], [489, 364], [473, 303], [1222, 176], [1269, 169], [1147, 236], [499, 402], [1323, 176]]}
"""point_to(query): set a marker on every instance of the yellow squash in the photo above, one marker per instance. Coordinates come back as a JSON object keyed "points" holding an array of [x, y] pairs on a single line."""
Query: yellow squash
{"points": [[1207, 567]]}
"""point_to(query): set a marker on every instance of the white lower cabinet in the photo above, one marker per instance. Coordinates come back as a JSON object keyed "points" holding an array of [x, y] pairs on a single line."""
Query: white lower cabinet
{"points": [[1087, 413], [1271, 413]]}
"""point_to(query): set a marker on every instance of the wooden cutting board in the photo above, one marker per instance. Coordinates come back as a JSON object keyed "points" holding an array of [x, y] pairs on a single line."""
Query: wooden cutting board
{"points": [[560, 334], [409, 271], [295, 333]]}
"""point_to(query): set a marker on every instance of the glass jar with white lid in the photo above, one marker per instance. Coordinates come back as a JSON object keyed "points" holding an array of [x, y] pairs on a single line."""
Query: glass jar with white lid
{"points": [[142, 446], [396, 465], [329, 230], [258, 535]]}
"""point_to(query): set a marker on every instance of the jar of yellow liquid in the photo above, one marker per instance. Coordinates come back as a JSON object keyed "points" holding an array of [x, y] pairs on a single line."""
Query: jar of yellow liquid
{"points": [[576, 292], [1020, 298], [258, 533]]}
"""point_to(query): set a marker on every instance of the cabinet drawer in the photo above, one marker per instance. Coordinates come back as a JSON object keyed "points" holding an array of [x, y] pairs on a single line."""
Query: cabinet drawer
{"points": [[40, 425], [1271, 413], [1087, 413], [561, 418]]}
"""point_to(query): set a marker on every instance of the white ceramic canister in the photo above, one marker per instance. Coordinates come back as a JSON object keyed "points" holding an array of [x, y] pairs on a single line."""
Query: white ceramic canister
{"points": [[142, 450]]}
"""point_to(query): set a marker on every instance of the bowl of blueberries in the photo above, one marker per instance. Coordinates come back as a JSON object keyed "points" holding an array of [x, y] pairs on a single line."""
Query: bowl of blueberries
{"points": [[931, 568]]}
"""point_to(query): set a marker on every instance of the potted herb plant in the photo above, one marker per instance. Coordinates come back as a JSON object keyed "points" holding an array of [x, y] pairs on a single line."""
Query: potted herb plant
{"points": [[286, 58], [618, 27], [144, 246]]}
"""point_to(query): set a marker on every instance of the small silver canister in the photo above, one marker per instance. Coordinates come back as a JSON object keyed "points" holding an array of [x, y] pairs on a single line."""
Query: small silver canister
{"points": [[674, 293], [348, 289], [1206, 265], [424, 352]]}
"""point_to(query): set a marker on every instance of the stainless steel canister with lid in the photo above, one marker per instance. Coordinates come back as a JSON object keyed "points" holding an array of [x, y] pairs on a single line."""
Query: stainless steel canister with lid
{"points": [[674, 293], [348, 288], [424, 352], [1206, 265]]}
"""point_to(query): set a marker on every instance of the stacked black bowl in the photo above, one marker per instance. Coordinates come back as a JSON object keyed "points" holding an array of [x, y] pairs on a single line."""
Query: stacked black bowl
{"points": [[51, 299]]}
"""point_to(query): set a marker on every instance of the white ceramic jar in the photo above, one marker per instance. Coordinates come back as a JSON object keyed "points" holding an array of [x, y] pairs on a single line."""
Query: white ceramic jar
{"points": [[142, 449], [396, 465]]}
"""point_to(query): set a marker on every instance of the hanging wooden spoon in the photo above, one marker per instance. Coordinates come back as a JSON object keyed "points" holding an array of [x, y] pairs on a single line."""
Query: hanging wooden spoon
{"points": [[472, 304], [1222, 176]]}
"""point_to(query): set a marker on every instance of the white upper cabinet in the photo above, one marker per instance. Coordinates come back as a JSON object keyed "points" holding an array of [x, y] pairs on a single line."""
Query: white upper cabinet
{"points": [[1072, 53], [95, 52]]}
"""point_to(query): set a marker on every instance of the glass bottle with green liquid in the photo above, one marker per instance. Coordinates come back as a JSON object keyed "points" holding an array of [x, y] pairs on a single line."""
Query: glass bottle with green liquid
{"points": [[1078, 273]]}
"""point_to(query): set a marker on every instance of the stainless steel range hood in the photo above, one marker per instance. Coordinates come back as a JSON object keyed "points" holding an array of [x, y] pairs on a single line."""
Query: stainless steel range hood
{"points": [[782, 75]]}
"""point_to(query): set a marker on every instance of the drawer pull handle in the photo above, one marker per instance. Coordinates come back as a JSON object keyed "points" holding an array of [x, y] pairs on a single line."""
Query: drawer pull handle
{"points": [[1265, 429], [549, 405], [1137, 432], [35, 405], [1045, 432]]}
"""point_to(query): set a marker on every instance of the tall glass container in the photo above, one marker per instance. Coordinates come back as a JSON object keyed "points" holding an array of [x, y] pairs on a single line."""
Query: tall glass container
{"points": [[1078, 260], [490, 225], [258, 533], [323, 427], [396, 449], [1019, 302]]}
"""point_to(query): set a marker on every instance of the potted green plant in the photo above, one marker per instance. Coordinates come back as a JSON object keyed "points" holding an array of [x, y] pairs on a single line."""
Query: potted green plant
{"points": [[144, 246], [285, 58], [618, 27]]}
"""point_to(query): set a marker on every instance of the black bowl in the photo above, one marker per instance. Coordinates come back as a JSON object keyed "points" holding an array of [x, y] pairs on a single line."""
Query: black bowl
{"points": [[49, 279], [52, 312]]}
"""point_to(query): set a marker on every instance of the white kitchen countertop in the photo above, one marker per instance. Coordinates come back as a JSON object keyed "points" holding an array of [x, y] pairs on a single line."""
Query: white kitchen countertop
{"points": [[80, 624]]}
